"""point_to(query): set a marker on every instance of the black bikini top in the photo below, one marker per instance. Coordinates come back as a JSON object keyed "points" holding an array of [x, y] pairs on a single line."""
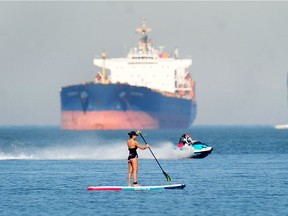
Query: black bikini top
{"points": [[133, 150]]}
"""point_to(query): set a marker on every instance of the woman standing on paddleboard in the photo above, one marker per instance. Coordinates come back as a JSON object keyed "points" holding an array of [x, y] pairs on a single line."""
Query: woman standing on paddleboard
{"points": [[133, 156]]}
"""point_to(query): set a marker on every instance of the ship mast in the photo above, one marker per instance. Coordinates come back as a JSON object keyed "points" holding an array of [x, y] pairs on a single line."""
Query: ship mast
{"points": [[143, 30]]}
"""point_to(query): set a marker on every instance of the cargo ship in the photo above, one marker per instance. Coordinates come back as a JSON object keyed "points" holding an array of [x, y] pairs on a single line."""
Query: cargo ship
{"points": [[148, 89]]}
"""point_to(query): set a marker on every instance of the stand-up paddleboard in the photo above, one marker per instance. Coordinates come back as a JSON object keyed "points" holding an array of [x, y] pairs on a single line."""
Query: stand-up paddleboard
{"points": [[129, 188]]}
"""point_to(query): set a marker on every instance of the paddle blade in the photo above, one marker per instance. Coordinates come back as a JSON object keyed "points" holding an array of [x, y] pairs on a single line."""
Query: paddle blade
{"points": [[167, 176]]}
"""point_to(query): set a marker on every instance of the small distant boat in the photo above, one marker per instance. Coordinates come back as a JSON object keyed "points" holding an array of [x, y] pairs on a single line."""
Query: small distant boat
{"points": [[284, 126], [200, 150]]}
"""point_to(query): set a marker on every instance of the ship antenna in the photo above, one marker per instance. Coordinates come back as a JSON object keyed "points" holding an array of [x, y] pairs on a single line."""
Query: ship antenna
{"points": [[143, 30]]}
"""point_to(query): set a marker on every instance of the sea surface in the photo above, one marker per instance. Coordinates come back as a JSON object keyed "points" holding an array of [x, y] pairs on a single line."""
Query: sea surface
{"points": [[46, 171]]}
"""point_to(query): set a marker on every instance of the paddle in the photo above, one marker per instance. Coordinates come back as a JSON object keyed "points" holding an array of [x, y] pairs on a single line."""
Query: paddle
{"points": [[165, 174]]}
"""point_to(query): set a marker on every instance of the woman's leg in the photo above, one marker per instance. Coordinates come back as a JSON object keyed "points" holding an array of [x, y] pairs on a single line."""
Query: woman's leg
{"points": [[134, 163], [130, 170]]}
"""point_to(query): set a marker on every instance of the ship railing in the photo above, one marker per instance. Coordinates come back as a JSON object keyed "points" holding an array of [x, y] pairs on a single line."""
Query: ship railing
{"points": [[146, 59], [183, 89]]}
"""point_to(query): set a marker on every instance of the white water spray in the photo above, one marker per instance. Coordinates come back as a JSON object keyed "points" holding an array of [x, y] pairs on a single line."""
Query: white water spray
{"points": [[116, 151]]}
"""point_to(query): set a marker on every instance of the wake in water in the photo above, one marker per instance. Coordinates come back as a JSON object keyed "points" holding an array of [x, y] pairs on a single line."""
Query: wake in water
{"points": [[165, 151], [116, 151]]}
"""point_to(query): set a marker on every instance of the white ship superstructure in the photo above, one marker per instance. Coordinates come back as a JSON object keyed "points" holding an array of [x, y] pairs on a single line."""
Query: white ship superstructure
{"points": [[148, 67]]}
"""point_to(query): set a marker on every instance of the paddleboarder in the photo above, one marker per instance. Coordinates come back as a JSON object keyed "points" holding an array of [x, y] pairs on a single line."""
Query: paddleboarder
{"points": [[133, 156]]}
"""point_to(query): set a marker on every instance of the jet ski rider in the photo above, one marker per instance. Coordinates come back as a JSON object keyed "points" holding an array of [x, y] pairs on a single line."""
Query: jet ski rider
{"points": [[185, 140]]}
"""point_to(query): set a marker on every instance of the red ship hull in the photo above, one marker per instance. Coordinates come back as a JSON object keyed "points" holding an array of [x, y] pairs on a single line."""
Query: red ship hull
{"points": [[107, 120]]}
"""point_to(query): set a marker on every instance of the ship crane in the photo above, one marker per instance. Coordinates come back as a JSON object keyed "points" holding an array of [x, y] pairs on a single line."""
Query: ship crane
{"points": [[102, 76]]}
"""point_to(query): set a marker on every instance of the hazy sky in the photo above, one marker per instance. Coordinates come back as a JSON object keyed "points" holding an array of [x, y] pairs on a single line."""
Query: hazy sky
{"points": [[239, 52]]}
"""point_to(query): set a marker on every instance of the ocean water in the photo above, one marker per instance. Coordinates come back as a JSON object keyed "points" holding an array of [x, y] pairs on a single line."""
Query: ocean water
{"points": [[46, 171]]}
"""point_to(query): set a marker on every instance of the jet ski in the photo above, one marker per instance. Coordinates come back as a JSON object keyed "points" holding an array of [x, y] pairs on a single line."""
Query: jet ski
{"points": [[200, 149]]}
